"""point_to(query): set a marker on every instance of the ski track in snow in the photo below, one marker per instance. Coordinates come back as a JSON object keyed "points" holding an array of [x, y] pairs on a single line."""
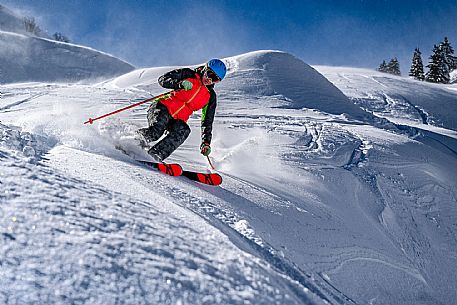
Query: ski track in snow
{"points": [[315, 208], [3, 108]]}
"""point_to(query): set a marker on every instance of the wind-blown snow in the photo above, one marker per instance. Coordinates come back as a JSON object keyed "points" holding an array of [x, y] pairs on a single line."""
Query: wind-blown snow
{"points": [[11, 22], [328, 197], [26, 57]]}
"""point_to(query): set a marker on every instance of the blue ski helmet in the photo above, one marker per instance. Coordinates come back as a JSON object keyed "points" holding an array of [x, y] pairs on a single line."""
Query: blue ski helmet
{"points": [[218, 67]]}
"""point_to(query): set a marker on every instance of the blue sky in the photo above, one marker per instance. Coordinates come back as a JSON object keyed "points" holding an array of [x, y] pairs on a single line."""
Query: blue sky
{"points": [[168, 32]]}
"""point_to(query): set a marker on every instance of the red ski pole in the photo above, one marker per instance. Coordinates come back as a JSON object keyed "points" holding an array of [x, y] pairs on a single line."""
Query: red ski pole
{"points": [[210, 163], [90, 120]]}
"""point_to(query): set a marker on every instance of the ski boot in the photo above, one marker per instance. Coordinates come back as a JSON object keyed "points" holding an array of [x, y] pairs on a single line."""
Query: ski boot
{"points": [[155, 155], [144, 136]]}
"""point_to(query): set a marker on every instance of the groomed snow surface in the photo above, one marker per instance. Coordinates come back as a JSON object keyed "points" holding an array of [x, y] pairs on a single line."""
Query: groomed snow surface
{"points": [[339, 188]]}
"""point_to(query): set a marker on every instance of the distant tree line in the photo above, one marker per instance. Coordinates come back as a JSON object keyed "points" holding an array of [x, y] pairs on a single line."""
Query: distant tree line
{"points": [[393, 67], [32, 27], [442, 62]]}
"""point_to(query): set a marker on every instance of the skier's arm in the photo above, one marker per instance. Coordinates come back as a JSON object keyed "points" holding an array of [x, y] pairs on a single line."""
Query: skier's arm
{"points": [[208, 113], [173, 79]]}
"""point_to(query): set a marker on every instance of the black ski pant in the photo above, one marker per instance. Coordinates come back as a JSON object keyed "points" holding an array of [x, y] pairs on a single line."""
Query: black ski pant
{"points": [[160, 120]]}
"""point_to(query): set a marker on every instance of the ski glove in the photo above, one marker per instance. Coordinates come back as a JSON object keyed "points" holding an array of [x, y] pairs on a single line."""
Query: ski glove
{"points": [[186, 85], [205, 149]]}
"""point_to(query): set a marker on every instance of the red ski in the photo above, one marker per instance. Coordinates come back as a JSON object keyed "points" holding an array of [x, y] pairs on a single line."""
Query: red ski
{"points": [[171, 169], [210, 179]]}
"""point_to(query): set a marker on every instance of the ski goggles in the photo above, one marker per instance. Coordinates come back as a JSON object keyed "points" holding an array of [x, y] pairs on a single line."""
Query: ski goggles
{"points": [[212, 75]]}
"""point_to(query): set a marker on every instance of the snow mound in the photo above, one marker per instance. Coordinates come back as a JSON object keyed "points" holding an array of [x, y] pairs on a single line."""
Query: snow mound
{"points": [[279, 73]]}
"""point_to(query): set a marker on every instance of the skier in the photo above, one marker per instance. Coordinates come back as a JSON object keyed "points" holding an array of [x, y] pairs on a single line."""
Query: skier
{"points": [[193, 90]]}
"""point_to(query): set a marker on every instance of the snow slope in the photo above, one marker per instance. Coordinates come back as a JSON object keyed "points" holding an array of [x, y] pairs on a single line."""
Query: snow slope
{"points": [[397, 98], [324, 199], [24, 57]]}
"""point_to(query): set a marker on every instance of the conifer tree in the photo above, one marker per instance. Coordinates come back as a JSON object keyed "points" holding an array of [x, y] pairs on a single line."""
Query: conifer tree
{"points": [[417, 67], [31, 26], [383, 66], [393, 67], [438, 68], [60, 37], [448, 52]]}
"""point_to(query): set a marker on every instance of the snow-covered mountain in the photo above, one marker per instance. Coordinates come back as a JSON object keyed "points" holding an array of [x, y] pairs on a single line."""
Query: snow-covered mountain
{"points": [[337, 190], [27, 57]]}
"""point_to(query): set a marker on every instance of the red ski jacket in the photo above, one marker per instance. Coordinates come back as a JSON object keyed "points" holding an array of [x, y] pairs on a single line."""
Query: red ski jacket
{"points": [[172, 80], [181, 103]]}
